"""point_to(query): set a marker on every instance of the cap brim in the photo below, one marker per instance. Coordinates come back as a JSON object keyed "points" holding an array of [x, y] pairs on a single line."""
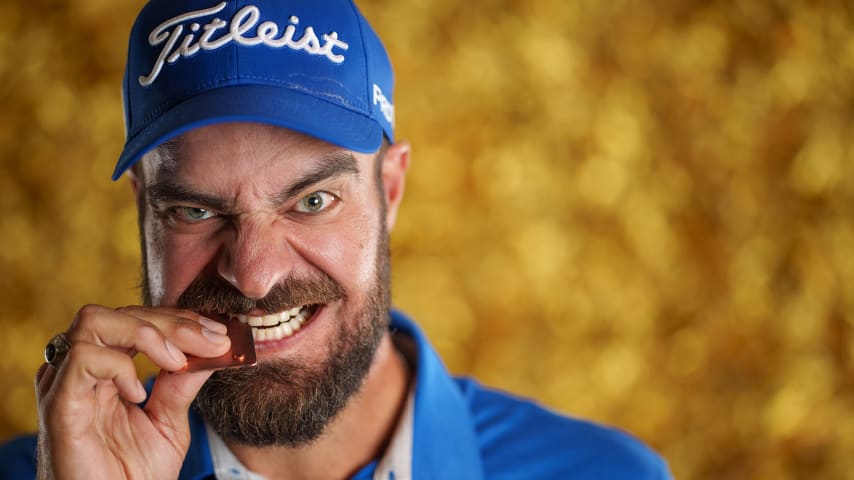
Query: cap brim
{"points": [[272, 105]]}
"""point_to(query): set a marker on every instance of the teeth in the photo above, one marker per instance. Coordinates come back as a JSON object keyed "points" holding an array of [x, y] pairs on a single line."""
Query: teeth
{"points": [[275, 326], [266, 320], [274, 332], [286, 329], [259, 335]]}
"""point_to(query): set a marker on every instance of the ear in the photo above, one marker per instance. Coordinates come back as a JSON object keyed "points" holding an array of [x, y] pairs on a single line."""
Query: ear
{"points": [[134, 181], [395, 164]]}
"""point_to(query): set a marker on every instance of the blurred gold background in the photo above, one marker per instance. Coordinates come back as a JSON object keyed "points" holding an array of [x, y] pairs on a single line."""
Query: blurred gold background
{"points": [[636, 212]]}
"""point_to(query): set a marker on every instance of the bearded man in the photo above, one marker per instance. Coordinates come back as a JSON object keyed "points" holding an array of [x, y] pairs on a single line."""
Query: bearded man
{"points": [[260, 148]]}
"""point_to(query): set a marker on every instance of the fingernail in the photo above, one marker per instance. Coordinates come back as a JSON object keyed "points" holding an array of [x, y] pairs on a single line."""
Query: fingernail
{"points": [[213, 325], [214, 337], [176, 354], [141, 389]]}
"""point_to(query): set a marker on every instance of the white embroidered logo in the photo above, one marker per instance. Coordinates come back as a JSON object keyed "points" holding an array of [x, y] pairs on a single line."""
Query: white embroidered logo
{"points": [[385, 106], [241, 23]]}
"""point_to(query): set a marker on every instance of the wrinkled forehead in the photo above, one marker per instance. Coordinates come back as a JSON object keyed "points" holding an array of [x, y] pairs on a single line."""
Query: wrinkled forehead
{"points": [[234, 145]]}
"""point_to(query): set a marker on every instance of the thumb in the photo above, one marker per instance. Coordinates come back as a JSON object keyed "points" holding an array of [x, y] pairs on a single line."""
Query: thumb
{"points": [[170, 400]]}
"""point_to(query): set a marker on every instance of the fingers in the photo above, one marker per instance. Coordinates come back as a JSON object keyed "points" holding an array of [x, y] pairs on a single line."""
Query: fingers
{"points": [[103, 341], [86, 364], [171, 397], [105, 327], [163, 335], [191, 332], [88, 402]]}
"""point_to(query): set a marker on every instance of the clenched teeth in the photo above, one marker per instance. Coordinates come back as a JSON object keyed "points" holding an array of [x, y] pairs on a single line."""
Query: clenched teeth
{"points": [[277, 326]]}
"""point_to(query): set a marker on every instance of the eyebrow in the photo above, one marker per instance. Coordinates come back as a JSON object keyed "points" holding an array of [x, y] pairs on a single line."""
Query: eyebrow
{"points": [[166, 190], [329, 166]]}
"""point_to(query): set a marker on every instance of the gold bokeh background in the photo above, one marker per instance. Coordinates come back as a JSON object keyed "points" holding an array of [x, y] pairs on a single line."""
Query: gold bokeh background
{"points": [[636, 212]]}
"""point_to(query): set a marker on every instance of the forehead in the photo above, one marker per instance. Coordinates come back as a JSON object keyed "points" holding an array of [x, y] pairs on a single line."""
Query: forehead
{"points": [[239, 149]]}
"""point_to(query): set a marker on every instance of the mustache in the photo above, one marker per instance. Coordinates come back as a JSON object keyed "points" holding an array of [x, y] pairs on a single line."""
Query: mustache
{"points": [[213, 294]]}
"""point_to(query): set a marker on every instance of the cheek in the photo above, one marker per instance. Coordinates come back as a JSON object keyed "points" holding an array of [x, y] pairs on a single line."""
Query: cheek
{"points": [[173, 262], [345, 251]]}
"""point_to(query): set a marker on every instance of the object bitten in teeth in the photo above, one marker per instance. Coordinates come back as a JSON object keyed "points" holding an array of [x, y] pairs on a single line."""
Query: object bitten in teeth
{"points": [[241, 353]]}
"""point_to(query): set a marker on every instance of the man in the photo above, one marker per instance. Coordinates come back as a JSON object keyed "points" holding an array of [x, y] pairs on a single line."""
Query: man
{"points": [[261, 151]]}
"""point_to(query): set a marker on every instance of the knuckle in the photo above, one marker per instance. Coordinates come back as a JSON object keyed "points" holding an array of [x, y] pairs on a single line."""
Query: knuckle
{"points": [[89, 310], [86, 316]]}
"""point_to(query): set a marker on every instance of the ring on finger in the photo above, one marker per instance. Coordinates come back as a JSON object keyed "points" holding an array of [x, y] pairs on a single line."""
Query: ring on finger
{"points": [[56, 349]]}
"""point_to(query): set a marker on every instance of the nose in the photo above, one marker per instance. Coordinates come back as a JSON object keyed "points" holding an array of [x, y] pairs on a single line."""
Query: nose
{"points": [[255, 258]]}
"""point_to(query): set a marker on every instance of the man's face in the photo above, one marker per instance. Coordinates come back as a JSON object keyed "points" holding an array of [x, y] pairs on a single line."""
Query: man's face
{"points": [[287, 233]]}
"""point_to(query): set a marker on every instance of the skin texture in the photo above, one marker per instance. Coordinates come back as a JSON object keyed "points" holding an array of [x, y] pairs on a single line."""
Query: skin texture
{"points": [[253, 236]]}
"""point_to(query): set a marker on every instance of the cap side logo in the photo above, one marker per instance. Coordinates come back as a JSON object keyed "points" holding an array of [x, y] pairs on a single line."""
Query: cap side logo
{"points": [[386, 107], [235, 30]]}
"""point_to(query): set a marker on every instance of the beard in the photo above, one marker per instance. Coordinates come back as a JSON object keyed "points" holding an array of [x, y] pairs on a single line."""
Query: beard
{"points": [[289, 402]]}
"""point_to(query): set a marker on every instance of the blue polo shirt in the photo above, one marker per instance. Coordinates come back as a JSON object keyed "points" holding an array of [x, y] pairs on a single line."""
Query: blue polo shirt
{"points": [[459, 430]]}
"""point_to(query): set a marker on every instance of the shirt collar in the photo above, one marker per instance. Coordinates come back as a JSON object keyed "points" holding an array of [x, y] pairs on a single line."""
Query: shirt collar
{"points": [[444, 440], [441, 436]]}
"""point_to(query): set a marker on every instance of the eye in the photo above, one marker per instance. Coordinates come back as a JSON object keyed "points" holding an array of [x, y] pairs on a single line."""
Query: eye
{"points": [[315, 202], [193, 214]]}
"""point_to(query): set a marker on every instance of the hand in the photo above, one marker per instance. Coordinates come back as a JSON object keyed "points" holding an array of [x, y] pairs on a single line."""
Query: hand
{"points": [[90, 426]]}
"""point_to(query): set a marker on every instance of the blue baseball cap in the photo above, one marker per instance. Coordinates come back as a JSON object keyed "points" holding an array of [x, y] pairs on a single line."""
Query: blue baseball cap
{"points": [[312, 66]]}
